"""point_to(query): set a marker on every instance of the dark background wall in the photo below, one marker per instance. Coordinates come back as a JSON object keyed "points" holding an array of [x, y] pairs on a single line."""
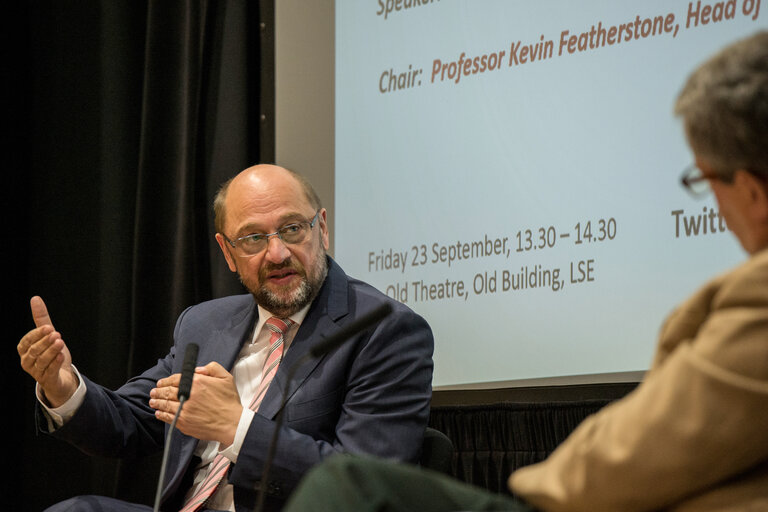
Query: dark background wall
{"points": [[122, 117]]}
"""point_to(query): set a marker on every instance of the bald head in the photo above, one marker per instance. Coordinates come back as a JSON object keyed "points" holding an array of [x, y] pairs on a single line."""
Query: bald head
{"points": [[259, 181]]}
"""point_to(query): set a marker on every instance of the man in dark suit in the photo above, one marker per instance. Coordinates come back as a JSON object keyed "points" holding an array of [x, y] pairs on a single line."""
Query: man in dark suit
{"points": [[370, 396]]}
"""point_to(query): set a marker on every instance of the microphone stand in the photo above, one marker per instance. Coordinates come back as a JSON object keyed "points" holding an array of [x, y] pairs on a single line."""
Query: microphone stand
{"points": [[276, 432], [164, 462], [185, 387]]}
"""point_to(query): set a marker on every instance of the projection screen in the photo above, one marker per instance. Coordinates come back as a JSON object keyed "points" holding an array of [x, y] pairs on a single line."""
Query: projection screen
{"points": [[510, 170]]}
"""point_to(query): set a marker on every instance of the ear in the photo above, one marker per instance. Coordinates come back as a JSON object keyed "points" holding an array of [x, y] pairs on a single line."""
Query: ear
{"points": [[225, 247], [323, 221], [754, 192]]}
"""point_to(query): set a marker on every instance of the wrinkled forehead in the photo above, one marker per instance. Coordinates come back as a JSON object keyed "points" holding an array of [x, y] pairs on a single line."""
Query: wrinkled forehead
{"points": [[265, 201]]}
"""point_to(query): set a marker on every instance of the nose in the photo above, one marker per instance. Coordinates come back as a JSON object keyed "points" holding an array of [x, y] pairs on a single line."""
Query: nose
{"points": [[277, 251]]}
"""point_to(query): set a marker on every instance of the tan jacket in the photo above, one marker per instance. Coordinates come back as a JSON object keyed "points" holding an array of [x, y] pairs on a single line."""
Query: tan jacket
{"points": [[694, 435]]}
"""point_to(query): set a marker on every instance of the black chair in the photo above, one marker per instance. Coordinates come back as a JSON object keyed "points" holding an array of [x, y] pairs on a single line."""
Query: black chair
{"points": [[437, 452]]}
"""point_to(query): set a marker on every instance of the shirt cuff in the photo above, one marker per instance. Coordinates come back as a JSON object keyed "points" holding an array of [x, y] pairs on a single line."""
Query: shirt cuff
{"points": [[58, 416], [232, 451]]}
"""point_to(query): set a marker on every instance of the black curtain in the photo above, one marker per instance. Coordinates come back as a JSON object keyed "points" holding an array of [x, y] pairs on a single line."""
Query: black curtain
{"points": [[122, 118], [492, 440]]}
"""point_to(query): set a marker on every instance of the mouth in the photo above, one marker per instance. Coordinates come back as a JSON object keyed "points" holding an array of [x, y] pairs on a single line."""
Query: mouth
{"points": [[282, 276]]}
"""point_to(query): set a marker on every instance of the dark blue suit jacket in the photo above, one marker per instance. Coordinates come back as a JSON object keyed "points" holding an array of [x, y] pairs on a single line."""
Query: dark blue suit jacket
{"points": [[369, 396]]}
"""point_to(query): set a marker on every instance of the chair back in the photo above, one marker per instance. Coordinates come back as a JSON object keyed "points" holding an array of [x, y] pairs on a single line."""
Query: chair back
{"points": [[437, 452]]}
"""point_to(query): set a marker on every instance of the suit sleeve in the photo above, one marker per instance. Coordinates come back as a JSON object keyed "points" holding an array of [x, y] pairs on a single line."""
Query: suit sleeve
{"points": [[697, 420], [117, 423]]}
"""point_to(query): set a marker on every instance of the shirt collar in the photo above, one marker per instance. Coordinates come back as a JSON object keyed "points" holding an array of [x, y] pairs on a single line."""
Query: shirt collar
{"points": [[265, 315]]}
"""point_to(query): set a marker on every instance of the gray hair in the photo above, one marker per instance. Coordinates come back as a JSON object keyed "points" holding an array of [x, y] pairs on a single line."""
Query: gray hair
{"points": [[724, 108]]}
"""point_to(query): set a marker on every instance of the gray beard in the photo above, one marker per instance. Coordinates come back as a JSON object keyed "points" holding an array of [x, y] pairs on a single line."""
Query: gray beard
{"points": [[303, 295]]}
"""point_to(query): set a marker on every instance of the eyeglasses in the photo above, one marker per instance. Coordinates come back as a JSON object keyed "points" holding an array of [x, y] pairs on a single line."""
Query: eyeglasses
{"points": [[290, 234], [696, 183]]}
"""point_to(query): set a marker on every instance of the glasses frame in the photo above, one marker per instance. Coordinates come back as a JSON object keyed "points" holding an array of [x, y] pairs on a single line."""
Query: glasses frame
{"points": [[696, 183], [277, 233]]}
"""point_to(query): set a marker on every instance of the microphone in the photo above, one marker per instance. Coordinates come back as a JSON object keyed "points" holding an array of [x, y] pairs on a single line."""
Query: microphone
{"points": [[320, 349], [188, 370], [185, 386]]}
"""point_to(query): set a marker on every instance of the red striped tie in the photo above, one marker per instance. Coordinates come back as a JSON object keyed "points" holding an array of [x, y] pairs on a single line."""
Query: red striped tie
{"points": [[220, 464]]}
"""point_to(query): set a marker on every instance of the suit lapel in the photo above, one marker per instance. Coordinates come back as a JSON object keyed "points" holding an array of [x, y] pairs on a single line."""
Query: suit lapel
{"points": [[223, 347], [226, 344], [330, 305]]}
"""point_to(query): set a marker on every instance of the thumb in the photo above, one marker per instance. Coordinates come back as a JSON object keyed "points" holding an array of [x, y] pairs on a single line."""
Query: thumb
{"points": [[39, 312], [212, 369]]}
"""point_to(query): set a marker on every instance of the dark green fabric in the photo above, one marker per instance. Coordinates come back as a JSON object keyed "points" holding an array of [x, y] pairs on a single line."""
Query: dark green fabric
{"points": [[361, 484]]}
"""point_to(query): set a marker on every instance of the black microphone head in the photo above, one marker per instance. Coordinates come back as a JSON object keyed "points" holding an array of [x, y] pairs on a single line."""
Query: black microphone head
{"points": [[188, 370]]}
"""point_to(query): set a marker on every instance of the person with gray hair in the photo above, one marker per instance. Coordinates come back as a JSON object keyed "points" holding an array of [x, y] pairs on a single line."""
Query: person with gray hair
{"points": [[693, 435], [724, 108]]}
